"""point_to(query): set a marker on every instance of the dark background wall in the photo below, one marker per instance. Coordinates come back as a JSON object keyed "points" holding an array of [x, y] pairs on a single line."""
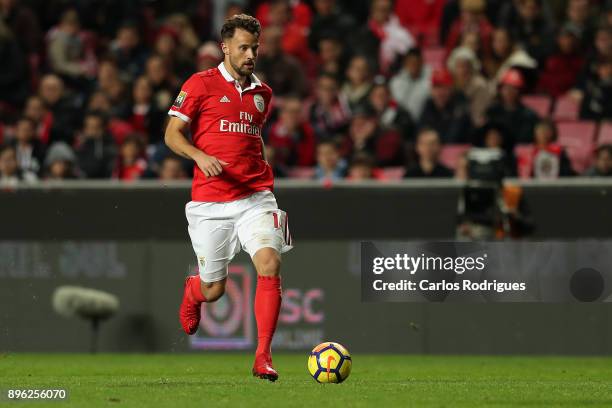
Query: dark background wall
{"points": [[132, 241]]}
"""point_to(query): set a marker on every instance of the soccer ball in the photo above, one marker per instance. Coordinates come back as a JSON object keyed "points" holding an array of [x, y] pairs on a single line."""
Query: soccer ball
{"points": [[329, 363]]}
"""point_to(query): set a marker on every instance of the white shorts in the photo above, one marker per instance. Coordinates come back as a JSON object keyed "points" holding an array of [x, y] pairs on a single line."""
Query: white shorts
{"points": [[218, 230]]}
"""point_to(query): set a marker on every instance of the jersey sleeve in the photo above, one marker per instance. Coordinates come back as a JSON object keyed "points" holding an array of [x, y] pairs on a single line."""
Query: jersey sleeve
{"points": [[187, 104]]}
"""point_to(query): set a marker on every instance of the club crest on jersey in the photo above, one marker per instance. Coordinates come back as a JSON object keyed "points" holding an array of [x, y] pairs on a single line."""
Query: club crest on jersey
{"points": [[259, 102], [202, 261], [178, 102]]}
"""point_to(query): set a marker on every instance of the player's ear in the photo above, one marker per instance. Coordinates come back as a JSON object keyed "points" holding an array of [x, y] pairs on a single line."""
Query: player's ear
{"points": [[224, 48]]}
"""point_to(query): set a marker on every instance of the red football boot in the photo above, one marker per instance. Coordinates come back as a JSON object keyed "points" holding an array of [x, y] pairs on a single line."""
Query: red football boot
{"points": [[189, 313], [263, 368]]}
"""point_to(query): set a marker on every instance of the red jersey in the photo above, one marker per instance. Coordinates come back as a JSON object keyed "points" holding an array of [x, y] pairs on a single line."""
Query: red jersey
{"points": [[226, 122]]}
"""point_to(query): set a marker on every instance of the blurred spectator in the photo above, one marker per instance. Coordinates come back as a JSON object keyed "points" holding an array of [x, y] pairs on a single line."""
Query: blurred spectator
{"points": [[508, 110], [29, 150], [361, 168], [328, 22], [68, 51], [164, 83], [505, 54], [279, 170], [63, 107], [603, 162], [581, 21], [22, 22], [330, 166], [209, 56], [494, 138], [176, 56], [143, 114], [172, 169], [562, 68], [596, 94], [601, 51], [270, 13], [10, 173], [13, 73], [471, 21], [96, 153], [128, 51], [98, 101], [331, 56], [130, 164], [411, 86], [390, 115], [36, 110], [549, 158], [292, 137], [465, 68], [428, 151], [383, 39], [59, 163], [283, 72], [446, 111], [366, 136], [294, 20], [328, 112], [186, 35], [358, 81], [530, 26], [107, 76]]}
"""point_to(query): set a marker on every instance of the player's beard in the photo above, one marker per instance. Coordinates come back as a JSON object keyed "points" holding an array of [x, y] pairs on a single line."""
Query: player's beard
{"points": [[242, 70]]}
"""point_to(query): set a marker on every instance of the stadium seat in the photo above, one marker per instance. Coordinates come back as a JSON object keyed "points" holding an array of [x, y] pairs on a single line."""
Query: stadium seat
{"points": [[450, 154], [566, 109], [540, 104], [605, 133], [578, 140], [434, 57], [391, 173], [301, 172], [524, 160]]}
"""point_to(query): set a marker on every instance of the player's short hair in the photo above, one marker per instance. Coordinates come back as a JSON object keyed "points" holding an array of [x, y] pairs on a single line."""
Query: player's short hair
{"points": [[241, 21]]}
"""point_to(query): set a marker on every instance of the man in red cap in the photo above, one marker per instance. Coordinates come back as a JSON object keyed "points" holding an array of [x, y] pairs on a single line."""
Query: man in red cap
{"points": [[508, 110], [446, 111]]}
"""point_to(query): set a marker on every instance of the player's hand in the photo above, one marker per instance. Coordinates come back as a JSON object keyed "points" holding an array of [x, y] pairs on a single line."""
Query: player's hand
{"points": [[210, 165]]}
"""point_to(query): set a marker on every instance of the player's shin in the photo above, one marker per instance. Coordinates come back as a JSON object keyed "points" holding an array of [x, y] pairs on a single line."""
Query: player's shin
{"points": [[267, 309]]}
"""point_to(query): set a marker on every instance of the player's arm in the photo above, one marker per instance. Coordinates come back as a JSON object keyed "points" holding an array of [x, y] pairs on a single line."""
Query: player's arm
{"points": [[177, 142]]}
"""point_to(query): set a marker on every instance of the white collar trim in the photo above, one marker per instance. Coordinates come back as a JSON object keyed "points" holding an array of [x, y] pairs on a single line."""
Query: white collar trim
{"points": [[229, 78]]}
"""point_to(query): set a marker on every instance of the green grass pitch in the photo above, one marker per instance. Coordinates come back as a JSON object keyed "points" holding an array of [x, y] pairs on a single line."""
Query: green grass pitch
{"points": [[382, 381]]}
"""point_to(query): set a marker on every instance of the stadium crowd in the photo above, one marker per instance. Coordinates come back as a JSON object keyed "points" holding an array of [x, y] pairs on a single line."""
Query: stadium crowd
{"points": [[372, 89]]}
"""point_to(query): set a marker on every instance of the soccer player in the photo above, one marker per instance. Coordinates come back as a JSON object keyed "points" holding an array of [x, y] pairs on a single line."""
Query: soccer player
{"points": [[224, 109]]}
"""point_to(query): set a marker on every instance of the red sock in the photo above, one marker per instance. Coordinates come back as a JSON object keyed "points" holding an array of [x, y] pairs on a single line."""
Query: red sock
{"points": [[195, 286], [267, 308]]}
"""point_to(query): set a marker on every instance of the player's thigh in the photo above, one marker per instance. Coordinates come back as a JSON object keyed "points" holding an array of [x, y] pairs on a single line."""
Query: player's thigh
{"points": [[214, 241], [264, 226]]}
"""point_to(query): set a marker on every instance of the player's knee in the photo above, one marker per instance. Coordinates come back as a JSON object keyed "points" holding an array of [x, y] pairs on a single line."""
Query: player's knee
{"points": [[213, 291], [268, 262]]}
